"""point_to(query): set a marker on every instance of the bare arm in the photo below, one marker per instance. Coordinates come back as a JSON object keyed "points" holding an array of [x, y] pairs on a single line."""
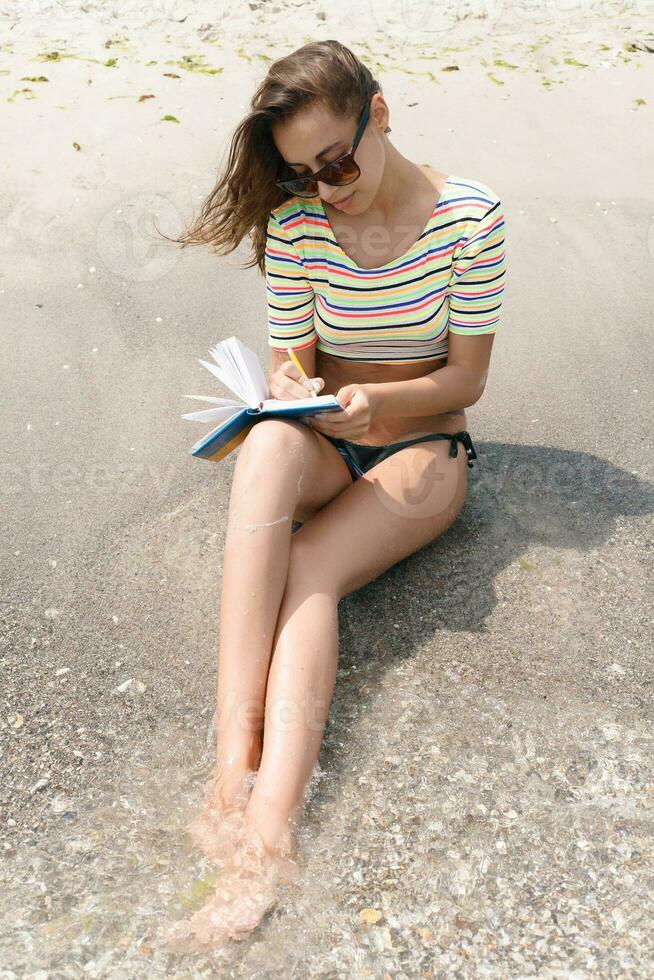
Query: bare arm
{"points": [[306, 357], [459, 384], [285, 380]]}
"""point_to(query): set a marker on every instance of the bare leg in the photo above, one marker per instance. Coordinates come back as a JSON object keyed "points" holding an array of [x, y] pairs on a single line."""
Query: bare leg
{"points": [[282, 468], [300, 689], [400, 505]]}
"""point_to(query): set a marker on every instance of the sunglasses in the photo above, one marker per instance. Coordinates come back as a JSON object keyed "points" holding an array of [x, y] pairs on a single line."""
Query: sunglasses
{"points": [[344, 170]]}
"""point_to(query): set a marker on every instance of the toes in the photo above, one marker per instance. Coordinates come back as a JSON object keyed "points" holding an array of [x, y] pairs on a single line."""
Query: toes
{"points": [[243, 925], [229, 914], [190, 936]]}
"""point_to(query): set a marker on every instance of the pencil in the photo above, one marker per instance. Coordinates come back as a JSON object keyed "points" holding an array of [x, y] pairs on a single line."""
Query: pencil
{"points": [[293, 357]]}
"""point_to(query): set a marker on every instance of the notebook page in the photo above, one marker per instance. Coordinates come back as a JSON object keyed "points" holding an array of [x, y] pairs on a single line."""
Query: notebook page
{"points": [[214, 401], [226, 364], [271, 404], [250, 369], [214, 414], [223, 352], [227, 380]]}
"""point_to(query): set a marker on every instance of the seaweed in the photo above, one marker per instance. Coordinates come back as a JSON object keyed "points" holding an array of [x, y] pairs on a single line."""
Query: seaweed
{"points": [[195, 63], [27, 92]]}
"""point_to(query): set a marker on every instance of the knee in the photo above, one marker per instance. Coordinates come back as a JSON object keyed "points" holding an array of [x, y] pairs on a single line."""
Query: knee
{"points": [[271, 439]]}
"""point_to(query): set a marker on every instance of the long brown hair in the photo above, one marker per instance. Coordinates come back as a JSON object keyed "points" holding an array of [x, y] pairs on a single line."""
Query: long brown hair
{"points": [[321, 71]]}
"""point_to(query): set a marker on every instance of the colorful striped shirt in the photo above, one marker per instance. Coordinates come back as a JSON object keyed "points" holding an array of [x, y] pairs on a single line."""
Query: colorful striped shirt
{"points": [[450, 279]]}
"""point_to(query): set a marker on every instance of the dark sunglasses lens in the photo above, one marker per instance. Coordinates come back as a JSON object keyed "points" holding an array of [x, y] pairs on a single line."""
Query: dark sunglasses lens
{"points": [[343, 172], [303, 188]]}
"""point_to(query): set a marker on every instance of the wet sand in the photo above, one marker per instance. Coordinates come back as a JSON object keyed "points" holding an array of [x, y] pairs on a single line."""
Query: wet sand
{"points": [[482, 802]]}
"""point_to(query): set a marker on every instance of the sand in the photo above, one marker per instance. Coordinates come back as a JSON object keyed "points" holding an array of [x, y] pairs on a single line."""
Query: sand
{"points": [[485, 783]]}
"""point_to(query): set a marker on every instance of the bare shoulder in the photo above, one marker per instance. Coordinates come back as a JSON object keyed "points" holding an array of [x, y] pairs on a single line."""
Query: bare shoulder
{"points": [[437, 177]]}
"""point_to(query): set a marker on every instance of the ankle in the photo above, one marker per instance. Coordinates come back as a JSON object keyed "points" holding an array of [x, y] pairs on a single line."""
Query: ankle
{"points": [[275, 856], [280, 840], [238, 757], [228, 792]]}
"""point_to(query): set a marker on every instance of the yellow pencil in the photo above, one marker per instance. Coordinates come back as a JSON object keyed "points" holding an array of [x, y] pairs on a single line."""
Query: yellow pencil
{"points": [[293, 357]]}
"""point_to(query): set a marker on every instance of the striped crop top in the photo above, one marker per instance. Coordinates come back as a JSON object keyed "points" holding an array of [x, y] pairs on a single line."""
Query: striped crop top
{"points": [[450, 279]]}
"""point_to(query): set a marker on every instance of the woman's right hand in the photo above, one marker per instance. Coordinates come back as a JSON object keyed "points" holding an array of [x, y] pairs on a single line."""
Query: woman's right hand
{"points": [[288, 382]]}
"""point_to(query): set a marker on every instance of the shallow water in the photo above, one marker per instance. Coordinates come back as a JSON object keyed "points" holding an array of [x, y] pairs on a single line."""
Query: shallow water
{"points": [[483, 806], [384, 880], [94, 897]]}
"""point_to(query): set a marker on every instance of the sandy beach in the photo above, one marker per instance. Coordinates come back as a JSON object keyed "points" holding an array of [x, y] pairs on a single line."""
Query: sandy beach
{"points": [[483, 801]]}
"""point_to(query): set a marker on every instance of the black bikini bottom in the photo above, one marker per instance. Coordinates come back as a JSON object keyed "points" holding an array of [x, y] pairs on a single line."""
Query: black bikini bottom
{"points": [[360, 458]]}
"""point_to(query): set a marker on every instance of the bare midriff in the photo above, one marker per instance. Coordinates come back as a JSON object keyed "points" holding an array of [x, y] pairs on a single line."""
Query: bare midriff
{"points": [[341, 371]]}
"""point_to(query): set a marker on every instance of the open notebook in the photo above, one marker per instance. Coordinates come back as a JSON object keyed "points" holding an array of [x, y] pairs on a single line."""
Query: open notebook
{"points": [[239, 370]]}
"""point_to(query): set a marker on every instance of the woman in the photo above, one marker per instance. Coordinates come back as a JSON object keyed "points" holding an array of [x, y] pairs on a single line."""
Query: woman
{"points": [[386, 279]]}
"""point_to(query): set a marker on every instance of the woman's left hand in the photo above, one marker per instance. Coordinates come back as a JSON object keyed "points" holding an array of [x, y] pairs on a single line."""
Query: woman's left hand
{"points": [[359, 410]]}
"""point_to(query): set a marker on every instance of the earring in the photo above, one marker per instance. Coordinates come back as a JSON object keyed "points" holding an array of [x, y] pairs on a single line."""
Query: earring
{"points": [[388, 129]]}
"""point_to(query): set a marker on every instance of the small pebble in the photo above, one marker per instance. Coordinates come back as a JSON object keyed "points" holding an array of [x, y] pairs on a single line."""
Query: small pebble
{"points": [[130, 684], [40, 784]]}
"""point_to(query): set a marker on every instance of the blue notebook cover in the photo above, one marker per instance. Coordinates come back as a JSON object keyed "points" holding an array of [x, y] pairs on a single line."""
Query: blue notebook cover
{"points": [[239, 369], [220, 442]]}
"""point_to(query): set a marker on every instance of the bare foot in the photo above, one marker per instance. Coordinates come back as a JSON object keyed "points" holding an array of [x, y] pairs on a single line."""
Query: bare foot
{"points": [[229, 785], [247, 891], [217, 826]]}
